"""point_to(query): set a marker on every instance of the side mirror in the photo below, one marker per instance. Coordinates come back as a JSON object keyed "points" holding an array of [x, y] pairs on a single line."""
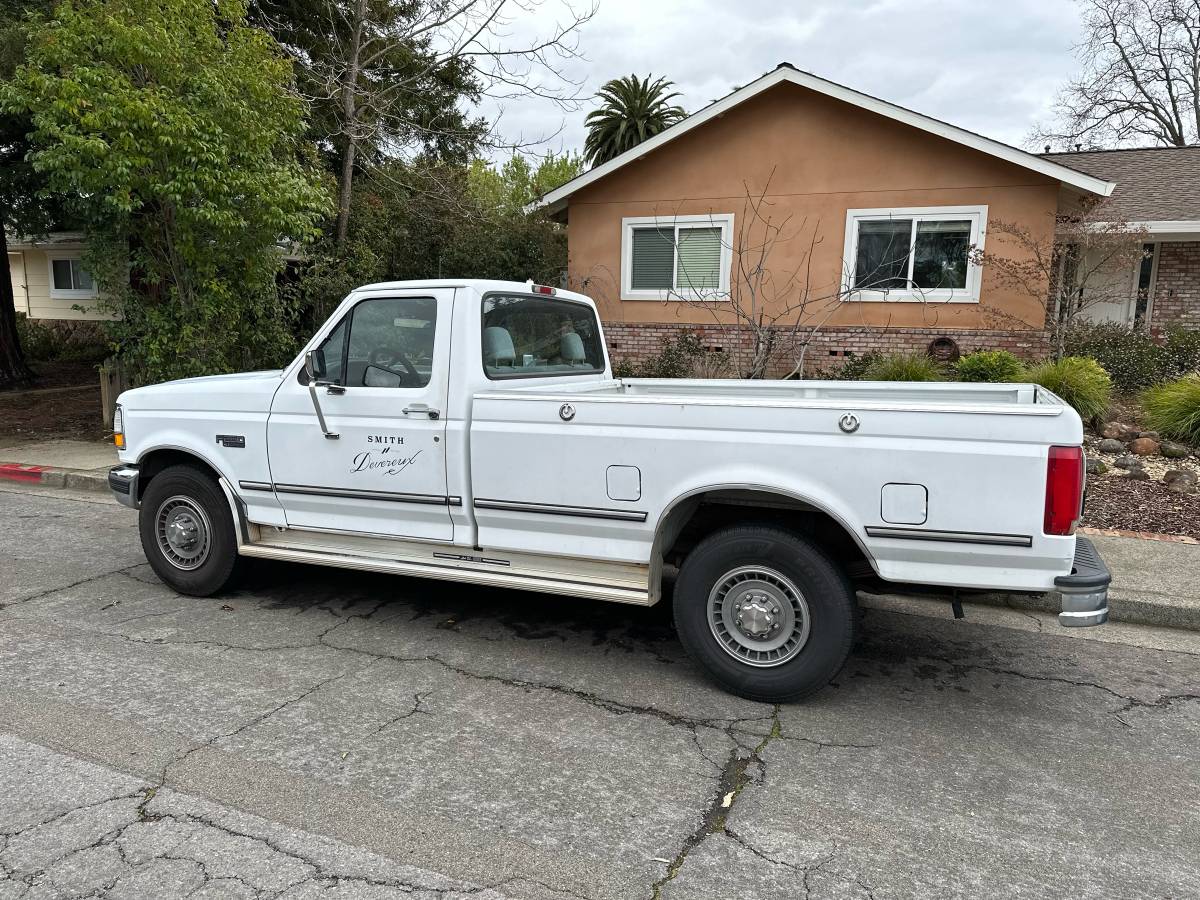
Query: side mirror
{"points": [[314, 365]]}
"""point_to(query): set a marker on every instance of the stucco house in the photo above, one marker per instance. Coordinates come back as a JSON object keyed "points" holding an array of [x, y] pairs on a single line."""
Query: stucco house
{"points": [[880, 208], [49, 280]]}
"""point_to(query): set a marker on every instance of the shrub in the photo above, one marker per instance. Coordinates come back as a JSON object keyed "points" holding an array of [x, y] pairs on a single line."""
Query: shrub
{"points": [[1079, 381], [624, 368], [1182, 350], [1130, 356], [39, 341], [679, 357], [851, 369], [1173, 409], [989, 365], [903, 367]]}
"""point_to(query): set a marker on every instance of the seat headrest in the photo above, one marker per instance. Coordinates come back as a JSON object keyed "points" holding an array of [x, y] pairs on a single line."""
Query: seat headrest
{"points": [[498, 345], [570, 348]]}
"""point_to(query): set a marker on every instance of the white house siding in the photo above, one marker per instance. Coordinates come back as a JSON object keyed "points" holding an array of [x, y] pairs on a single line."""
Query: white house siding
{"points": [[30, 269], [16, 263]]}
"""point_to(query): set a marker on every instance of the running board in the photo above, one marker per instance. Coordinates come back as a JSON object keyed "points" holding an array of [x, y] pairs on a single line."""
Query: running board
{"points": [[617, 582]]}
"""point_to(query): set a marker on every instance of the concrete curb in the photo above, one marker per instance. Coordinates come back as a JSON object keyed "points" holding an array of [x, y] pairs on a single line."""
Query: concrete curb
{"points": [[51, 476], [1160, 611]]}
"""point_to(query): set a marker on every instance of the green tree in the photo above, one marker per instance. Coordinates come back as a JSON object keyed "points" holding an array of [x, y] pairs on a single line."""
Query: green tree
{"points": [[171, 130], [631, 111], [424, 219], [399, 77], [22, 208], [513, 186]]}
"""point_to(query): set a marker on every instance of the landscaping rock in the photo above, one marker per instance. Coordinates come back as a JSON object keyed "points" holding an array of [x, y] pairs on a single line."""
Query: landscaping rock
{"points": [[1153, 435], [1171, 450], [1128, 462], [1180, 481], [1119, 432], [1096, 467], [1137, 474], [1111, 445], [1144, 446]]}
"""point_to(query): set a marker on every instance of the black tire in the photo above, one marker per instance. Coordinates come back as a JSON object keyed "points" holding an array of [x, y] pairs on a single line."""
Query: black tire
{"points": [[198, 499], [817, 654]]}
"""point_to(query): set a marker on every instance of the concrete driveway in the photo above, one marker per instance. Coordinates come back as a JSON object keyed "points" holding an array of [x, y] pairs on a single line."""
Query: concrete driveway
{"points": [[333, 734]]}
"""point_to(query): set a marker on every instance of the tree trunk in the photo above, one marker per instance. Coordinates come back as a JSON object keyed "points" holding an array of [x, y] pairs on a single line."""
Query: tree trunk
{"points": [[350, 122], [14, 371]]}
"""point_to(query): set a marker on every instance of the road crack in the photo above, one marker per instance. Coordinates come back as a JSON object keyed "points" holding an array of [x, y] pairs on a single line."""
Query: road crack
{"points": [[734, 778]]}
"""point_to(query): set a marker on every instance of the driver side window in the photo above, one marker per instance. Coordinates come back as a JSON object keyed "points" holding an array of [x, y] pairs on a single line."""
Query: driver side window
{"points": [[391, 342], [386, 342]]}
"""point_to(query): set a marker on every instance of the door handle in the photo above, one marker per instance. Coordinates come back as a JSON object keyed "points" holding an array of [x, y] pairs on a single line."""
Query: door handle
{"points": [[422, 408], [331, 388]]}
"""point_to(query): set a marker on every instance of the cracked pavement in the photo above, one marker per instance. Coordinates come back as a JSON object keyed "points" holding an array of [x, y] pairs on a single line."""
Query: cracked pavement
{"points": [[322, 733]]}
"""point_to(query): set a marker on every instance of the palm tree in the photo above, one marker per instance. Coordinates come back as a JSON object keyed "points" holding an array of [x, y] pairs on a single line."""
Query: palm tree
{"points": [[631, 111]]}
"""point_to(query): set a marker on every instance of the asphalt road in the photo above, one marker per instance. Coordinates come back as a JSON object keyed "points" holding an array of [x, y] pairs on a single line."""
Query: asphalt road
{"points": [[331, 734]]}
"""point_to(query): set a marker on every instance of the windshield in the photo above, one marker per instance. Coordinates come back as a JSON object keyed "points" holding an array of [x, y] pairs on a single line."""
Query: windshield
{"points": [[528, 336]]}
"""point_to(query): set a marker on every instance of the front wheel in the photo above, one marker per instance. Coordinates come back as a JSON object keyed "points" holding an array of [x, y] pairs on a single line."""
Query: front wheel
{"points": [[187, 531], [766, 614]]}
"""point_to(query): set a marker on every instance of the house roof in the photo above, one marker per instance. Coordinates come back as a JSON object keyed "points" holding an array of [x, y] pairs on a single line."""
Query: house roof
{"points": [[1155, 185], [556, 199]]}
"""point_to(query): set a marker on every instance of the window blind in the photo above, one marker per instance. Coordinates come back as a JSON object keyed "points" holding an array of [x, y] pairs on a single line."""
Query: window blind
{"points": [[653, 262], [699, 259]]}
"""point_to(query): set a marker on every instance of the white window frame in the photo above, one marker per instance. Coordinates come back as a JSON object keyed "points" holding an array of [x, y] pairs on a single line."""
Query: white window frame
{"points": [[912, 294], [59, 293], [724, 221]]}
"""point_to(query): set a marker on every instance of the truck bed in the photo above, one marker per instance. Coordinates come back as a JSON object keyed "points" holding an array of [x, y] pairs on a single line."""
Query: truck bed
{"points": [[940, 483]]}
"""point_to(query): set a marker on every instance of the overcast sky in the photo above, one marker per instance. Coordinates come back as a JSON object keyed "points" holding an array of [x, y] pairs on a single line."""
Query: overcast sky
{"points": [[992, 66]]}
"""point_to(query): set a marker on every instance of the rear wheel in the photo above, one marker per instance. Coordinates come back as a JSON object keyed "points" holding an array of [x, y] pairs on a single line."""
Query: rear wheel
{"points": [[188, 532], [766, 613]]}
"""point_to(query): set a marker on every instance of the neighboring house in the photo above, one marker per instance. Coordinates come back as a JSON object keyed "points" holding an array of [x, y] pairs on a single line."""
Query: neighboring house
{"points": [[1158, 189], [49, 280], [884, 204]]}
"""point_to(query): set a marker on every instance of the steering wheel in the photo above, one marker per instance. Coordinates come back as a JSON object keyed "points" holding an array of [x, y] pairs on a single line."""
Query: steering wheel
{"points": [[376, 358]]}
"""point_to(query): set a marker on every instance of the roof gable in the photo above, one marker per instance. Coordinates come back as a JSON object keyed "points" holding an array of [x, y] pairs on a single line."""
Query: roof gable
{"points": [[556, 199]]}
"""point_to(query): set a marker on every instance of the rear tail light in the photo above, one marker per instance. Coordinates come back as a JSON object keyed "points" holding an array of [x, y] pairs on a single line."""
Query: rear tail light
{"points": [[1064, 490], [542, 289]]}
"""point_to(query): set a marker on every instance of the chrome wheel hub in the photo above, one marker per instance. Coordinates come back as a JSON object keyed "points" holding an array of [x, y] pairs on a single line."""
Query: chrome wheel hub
{"points": [[183, 532], [758, 616]]}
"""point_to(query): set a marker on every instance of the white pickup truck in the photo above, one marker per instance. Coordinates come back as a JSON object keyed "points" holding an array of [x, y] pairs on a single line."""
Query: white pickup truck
{"points": [[473, 431]]}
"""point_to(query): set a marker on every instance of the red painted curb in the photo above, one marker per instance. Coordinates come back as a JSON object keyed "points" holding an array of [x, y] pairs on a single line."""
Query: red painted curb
{"points": [[18, 472]]}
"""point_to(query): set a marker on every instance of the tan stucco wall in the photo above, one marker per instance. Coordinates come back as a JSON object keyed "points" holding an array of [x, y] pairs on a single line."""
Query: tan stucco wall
{"points": [[827, 157]]}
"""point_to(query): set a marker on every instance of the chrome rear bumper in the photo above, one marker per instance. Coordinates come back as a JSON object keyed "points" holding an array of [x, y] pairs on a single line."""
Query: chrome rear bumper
{"points": [[1085, 590]]}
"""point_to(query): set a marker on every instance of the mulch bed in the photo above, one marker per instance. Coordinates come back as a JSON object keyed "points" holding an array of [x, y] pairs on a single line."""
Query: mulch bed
{"points": [[1114, 501], [41, 414]]}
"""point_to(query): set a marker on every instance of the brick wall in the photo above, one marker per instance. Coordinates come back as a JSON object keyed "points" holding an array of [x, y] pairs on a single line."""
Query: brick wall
{"points": [[833, 345], [1177, 287]]}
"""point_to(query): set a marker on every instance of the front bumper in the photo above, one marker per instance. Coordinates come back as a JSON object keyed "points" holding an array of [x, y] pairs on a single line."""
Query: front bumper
{"points": [[1085, 590], [123, 482]]}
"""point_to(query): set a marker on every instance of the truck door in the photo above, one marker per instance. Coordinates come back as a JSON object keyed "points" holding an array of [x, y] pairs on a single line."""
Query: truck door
{"points": [[378, 465]]}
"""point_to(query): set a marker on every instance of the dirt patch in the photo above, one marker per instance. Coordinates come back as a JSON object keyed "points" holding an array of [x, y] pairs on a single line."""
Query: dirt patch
{"points": [[1114, 501], [65, 404], [65, 374]]}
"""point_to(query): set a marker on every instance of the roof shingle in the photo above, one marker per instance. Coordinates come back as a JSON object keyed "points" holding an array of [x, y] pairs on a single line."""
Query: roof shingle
{"points": [[1155, 184]]}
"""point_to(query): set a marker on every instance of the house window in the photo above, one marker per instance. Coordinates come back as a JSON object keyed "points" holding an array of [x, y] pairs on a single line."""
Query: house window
{"points": [[1145, 285], [69, 279], [916, 254], [676, 258]]}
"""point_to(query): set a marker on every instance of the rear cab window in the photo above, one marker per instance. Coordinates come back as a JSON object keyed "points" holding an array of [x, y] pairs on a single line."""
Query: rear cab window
{"points": [[530, 336]]}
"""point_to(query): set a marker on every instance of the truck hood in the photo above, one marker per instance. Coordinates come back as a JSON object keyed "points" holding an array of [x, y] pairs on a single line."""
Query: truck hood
{"points": [[239, 392]]}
